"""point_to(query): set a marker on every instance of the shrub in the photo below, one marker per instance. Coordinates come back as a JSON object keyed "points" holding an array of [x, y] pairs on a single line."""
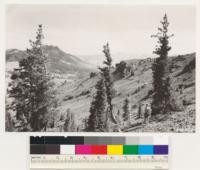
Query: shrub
{"points": [[93, 74], [68, 97], [187, 102]]}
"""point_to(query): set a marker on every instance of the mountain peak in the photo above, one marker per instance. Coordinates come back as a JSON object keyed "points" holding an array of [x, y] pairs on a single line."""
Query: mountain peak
{"points": [[58, 61]]}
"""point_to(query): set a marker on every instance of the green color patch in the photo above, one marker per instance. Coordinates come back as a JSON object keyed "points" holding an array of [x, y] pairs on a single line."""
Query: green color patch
{"points": [[130, 149]]}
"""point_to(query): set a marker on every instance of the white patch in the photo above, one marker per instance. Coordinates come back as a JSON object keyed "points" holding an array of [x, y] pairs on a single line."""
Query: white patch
{"points": [[10, 66], [65, 62]]}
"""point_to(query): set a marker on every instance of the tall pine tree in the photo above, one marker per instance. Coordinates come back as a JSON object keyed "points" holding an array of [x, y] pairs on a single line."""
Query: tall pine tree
{"points": [[126, 111], [140, 111], [31, 87], [106, 74], [97, 118], [70, 124], [160, 68]]}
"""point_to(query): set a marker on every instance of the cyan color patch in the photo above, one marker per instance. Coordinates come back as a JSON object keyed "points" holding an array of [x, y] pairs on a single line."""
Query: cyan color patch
{"points": [[145, 149]]}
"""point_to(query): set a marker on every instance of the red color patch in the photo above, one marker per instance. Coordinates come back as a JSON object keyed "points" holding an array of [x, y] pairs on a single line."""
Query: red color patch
{"points": [[99, 149]]}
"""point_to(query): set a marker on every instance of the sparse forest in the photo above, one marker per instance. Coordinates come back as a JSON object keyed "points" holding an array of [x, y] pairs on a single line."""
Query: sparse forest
{"points": [[50, 90]]}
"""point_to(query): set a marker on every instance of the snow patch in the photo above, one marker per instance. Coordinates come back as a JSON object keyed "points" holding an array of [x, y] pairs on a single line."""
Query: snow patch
{"points": [[10, 66], [65, 62]]}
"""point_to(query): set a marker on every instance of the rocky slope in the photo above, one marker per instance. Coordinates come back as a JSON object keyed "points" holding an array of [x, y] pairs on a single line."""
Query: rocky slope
{"points": [[133, 79], [62, 66]]}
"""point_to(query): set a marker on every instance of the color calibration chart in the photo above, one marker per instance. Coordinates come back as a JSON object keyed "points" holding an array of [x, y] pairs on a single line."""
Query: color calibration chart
{"points": [[102, 152]]}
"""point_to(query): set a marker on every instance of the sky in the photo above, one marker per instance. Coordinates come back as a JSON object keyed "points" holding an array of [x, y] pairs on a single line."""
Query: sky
{"points": [[82, 30]]}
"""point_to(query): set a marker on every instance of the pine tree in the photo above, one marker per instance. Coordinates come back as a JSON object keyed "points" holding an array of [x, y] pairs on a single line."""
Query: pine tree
{"points": [[70, 124], [140, 111], [118, 116], [97, 118], [106, 74], [161, 79], [8, 119], [126, 111], [8, 122], [31, 87]]}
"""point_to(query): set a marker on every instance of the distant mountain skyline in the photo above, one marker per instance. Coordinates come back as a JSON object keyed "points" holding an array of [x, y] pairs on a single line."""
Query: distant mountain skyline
{"points": [[58, 61], [97, 59]]}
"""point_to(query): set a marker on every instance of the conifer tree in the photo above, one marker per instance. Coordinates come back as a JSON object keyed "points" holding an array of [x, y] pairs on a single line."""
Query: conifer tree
{"points": [[8, 119], [70, 124], [31, 87], [106, 74], [126, 111], [140, 110], [161, 79], [8, 122], [97, 118], [118, 115]]}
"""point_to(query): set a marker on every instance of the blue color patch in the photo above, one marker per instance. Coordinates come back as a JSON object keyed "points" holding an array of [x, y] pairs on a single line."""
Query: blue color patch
{"points": [[145, 149]]}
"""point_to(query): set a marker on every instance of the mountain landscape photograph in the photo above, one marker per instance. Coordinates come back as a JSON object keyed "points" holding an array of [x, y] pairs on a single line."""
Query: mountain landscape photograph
{"points": [[100, 68]]}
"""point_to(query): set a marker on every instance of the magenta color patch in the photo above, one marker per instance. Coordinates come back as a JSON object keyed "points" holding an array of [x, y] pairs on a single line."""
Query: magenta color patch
{"points": [[83, 149]]}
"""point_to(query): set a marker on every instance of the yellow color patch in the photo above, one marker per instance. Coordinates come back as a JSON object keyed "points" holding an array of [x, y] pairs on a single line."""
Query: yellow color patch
{"points": [[115, 149]]}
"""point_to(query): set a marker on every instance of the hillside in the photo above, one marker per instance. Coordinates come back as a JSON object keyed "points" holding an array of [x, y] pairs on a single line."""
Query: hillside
{"points": [[135, 82], [132, 79], [57, 60], [63, 67]]}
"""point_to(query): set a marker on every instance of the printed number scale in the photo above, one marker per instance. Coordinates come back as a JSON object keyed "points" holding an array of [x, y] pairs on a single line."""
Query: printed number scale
{"points": [[99, 162]]}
